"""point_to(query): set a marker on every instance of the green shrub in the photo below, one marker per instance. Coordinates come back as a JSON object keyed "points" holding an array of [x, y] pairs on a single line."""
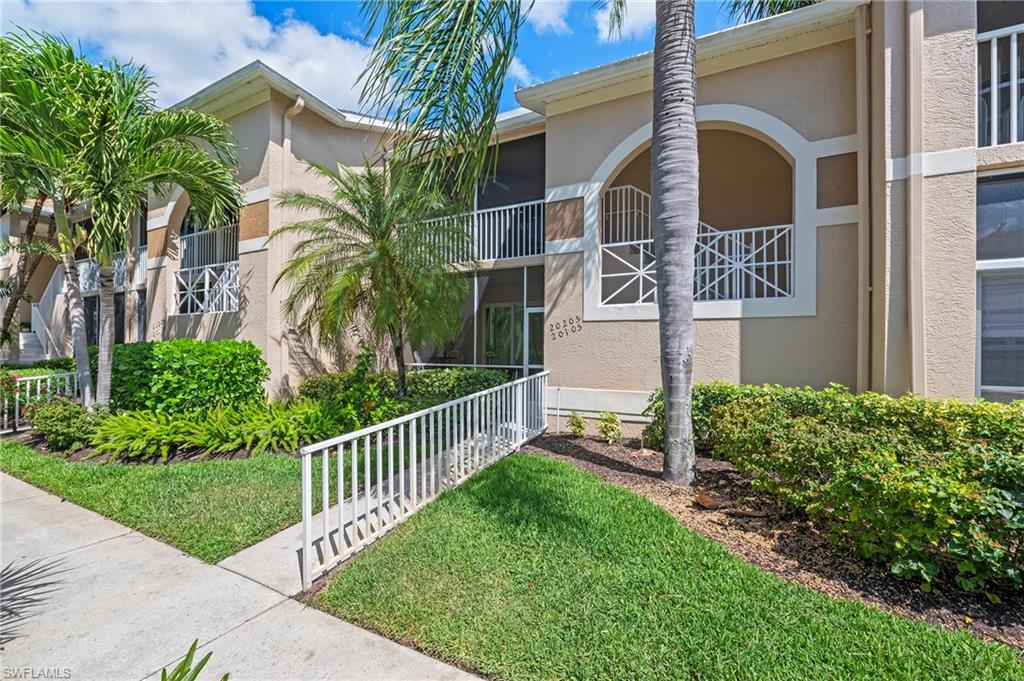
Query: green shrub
{"points": [[65, 425], [932, 488], [357, 397], [184, 374], [371, 397], [258, 428], [577, 426], [609, 427]]}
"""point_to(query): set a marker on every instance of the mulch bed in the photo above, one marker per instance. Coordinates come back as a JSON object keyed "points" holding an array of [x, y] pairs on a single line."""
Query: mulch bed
{"points": [[723, 507]]}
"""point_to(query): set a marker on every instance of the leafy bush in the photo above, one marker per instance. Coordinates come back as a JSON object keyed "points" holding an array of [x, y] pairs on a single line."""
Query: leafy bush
{"points": [[609, 427], [52, 365], [357, 397], [65, 425], [577, 426], [705, 398], [185, 374], [258, 428], [933, 488], [369, 397]]}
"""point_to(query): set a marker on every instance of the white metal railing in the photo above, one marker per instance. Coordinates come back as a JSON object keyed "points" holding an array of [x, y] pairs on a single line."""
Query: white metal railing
{"points": [[89, 271], [213, 288], [214, 246], [1000, 109], [743, 264], [140, 268], [46, 324], [16, 394], [740, 264], [384, 473], [625, 215], [514, 231]]}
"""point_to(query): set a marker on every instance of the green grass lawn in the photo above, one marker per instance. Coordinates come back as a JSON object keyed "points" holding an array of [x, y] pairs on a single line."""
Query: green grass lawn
{"points": [[210, 509], [535, 569]]}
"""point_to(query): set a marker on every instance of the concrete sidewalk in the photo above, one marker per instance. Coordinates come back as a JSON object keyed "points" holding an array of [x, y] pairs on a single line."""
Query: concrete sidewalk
{"points": [[115, 604]]}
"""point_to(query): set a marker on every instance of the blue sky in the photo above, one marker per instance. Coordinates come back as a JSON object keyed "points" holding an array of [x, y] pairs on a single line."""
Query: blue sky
{"points": [[189, 44]]}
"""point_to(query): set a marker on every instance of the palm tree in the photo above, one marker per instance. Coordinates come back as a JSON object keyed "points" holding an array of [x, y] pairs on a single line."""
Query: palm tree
{"points": [[367, 253], [42, 85], [439, 68], [134, 149]]}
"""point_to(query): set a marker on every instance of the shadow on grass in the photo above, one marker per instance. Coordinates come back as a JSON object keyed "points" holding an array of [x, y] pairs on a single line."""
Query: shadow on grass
{"points": [[24, 591]]}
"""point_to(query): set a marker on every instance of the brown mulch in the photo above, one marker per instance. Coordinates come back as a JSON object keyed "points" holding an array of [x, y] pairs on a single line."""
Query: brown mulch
{"points": [[723, 507]]}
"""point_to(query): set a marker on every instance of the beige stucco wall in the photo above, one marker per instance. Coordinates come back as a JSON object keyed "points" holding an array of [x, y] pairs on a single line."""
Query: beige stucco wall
{"points": [[624, 355]]}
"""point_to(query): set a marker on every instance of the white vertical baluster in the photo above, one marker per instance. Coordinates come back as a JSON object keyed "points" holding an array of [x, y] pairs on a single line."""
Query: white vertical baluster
{"points": [[380, 484], [402, 470], [307, 520], [341, 498], [354, 455], [391, 475], [325, 473], [994, 92], [412, 461], [1014, 77], [366, 484]]}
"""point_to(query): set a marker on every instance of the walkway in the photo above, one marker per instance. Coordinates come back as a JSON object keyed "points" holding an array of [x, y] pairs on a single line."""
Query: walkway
{"points": [[124, 606]]}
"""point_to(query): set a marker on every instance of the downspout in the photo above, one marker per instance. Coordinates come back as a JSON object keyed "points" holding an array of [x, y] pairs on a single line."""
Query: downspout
{"points": [[914, 228], [862, 30], [286, 140], [275, 256]]}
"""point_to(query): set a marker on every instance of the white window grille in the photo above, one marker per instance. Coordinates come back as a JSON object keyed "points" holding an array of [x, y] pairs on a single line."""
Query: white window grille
{"points": [[213, 288], [740, 264]]}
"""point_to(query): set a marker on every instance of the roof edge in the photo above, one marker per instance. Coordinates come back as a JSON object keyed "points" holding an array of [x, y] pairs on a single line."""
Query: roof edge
{"points": [[711, 46]]}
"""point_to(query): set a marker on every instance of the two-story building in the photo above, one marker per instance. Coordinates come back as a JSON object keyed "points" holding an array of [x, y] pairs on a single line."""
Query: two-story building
{"points": [[861, 201]]}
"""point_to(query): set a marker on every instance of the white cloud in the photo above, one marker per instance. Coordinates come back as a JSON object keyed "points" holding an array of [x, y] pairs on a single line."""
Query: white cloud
{"points": [[548, 16], [188, 45], [518, 72], [636, 24]]}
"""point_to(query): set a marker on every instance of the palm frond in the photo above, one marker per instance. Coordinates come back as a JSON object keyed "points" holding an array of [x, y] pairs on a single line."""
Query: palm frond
{"points": [[745, 11]]}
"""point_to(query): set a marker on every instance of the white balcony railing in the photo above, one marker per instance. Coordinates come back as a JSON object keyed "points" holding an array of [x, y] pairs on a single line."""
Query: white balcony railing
{"points": [[210, 247], [737, 264], [212, 288], [89, 271], [515, 231], [1000, 109]]}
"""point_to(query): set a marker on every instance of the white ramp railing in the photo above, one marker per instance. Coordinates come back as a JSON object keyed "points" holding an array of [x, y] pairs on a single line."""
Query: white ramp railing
{"points": [[18, 393], [379, 476]]}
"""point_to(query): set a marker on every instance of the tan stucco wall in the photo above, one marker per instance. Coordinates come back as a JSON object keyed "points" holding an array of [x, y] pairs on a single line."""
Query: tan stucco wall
{"points": [[563, 219], [254, 221], [623, 355], [837, 180]]}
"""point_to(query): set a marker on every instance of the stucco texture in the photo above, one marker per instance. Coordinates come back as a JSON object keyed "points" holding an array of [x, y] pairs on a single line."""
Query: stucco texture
{"points": [[623, 355]]}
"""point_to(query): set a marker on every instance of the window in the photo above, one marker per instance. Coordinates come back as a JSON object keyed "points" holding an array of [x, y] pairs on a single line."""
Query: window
{"points": [[503, 331], [140, 313], [1000, 64], [92, 318], [1000, 265]]}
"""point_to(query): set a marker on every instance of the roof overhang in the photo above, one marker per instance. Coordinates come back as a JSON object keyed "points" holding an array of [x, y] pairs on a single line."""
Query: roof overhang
{"points": [[820, 24], [249, 82]]}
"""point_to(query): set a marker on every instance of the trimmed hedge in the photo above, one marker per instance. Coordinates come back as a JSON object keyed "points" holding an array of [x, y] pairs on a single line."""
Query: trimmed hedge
{"points": [[65, 425], [184, 374], [933, 488]]}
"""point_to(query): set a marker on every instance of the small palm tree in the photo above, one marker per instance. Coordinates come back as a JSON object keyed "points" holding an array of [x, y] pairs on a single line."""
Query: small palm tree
{"points": [[368, 253], [134, 149], [440, 68], [42, 104]]}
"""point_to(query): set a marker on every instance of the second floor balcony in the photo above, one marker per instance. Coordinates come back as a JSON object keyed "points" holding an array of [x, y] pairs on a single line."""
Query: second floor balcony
{"points": [[504, 232], [207, 280]]}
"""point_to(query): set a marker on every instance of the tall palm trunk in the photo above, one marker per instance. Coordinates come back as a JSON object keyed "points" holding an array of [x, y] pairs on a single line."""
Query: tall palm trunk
{"points": [[106, 353], [398, 347], [76, 315], [676, 213]]}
